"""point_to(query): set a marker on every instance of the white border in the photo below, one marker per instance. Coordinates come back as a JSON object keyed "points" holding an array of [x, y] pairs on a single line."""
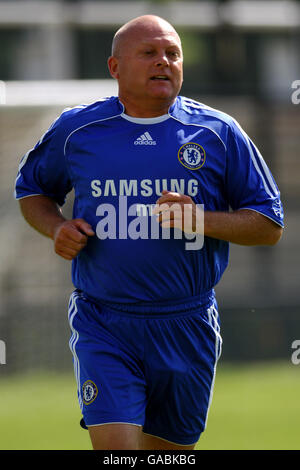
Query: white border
{"points": [[85, 125], [72, 311], [111, 422], [153, 120], [262, 213]]}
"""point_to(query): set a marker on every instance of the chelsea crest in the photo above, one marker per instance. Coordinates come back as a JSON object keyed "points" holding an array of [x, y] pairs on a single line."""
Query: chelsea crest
{"points": [[89, 392], [192, 156]]}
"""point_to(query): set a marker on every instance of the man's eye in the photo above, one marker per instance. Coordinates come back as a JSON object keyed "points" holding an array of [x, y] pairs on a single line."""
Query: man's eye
{"points": [[174, 54]]}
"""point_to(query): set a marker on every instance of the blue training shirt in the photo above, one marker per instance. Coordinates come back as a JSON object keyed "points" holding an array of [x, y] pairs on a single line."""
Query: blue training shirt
{"points": [[114, 161]]}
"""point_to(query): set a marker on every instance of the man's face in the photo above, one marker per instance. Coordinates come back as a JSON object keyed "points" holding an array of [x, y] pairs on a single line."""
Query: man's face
{"points": [[149, 67]]}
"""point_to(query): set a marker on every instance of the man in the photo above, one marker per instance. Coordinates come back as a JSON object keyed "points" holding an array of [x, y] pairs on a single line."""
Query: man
{"points": [[145, 327]]}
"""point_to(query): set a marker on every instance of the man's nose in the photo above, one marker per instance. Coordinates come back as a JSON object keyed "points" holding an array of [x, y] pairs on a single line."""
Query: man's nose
{"points": [[162, 60]]}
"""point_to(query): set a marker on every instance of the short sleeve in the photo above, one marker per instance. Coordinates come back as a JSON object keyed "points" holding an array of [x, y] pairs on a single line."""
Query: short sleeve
{"points": [[43, 169], [249, 182]]}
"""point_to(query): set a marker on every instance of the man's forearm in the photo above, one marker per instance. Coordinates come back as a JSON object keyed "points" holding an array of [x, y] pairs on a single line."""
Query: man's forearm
{"points": [[42, 213], [244, 227], [69, 236]]}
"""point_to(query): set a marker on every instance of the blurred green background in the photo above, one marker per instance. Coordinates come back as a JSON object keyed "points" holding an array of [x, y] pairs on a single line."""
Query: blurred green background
{"points": [[254, 407], [240, 57]]}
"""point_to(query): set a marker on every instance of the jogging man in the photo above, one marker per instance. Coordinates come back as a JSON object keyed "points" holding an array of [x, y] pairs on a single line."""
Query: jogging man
{"points": [[144, 320]]}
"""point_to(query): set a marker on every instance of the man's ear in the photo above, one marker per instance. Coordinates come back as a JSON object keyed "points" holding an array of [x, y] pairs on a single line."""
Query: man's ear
{"points": [[113, 66]]}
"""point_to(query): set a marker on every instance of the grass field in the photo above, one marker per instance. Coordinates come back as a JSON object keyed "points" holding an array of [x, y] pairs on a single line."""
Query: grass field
{"points": [[254, 407]]}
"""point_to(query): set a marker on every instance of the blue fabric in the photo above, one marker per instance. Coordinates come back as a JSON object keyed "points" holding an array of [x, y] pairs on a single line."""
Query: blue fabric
{"points": [[112, 161], [153, 369]]}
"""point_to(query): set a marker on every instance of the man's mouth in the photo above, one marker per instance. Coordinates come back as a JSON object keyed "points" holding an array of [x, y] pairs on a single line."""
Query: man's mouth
{"points": [[160, 77]]}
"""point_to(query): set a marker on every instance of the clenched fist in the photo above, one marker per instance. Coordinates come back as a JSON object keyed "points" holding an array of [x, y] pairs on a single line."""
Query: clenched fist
{"points": [[179, 211], [71, 236]]}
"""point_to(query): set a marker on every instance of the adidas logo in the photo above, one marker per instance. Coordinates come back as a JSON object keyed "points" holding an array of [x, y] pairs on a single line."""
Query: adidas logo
{"points": [[145, 139]]}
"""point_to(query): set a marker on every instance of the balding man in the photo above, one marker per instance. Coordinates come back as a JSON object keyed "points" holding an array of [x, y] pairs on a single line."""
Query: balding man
{"points": [[146, 166]]}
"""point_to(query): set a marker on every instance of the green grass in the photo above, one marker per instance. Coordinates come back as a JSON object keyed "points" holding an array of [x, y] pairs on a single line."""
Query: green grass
{"points": [[40, 412], [254, 407]]}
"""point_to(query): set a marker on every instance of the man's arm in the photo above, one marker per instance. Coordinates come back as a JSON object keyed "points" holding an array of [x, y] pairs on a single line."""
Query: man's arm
{"points": [[43, 214], [243, 227]]}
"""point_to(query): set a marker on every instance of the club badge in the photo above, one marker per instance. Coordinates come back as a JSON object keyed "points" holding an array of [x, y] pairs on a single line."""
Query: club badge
{"points": [[89, 392], [192, 156]]}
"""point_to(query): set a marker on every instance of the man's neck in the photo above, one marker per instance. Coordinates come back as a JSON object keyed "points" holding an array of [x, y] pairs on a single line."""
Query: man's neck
{"points": [[149, 111]]}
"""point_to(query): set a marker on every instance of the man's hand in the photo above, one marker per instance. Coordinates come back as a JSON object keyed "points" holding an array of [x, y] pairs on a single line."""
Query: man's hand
{"points": [[44, 214], [179, 211], [243, 227], [70, 237]]}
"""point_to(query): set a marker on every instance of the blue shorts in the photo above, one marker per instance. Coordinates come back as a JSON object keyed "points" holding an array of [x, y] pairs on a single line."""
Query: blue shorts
{"points": [[153, 368]]}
